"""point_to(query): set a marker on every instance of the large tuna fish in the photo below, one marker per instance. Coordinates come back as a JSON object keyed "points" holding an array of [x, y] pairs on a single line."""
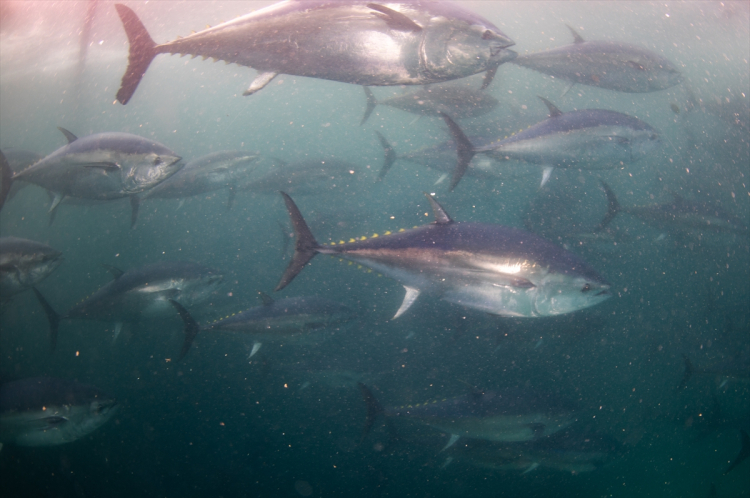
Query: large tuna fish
{"points": [[103, 166], [492, 268], [410, 42]]}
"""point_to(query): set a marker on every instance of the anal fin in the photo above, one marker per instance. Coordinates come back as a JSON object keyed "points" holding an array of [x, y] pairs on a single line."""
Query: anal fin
{"points": [[451, 441], [530, 468], [412, 294], [256, 348], [116, 333], [260, 82]]}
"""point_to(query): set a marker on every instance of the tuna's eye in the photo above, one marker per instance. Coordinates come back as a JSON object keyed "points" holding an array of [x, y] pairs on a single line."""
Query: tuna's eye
{"points": [[487, 35], [157, 161], [654, 136], [586, 288]]}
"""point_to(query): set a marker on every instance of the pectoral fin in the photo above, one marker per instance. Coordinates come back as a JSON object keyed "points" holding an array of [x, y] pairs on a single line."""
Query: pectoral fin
{"points": [[54, 421], [43, 424], [105, 165], [635, 65], [395, 20], [411, 295], [260, 82]]}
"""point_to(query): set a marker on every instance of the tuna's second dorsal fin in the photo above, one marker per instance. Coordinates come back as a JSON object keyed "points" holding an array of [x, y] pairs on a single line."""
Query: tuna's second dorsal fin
{"points": [[267, 300], [71, 138], [441, 217], [116, 272], [394, 19], [553, 110], [576, 37]]}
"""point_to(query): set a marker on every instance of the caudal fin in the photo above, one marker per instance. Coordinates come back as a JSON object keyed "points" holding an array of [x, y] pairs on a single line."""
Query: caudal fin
{"points": [[306, 247], [142, 52], [612, 209], [464, 148], [52, 317], [6, 176], [191, 328], [371, 103], [743, 454], [390, 156]]}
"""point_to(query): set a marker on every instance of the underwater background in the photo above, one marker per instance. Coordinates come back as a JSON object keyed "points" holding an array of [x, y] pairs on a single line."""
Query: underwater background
{"points": [[289, 420]]}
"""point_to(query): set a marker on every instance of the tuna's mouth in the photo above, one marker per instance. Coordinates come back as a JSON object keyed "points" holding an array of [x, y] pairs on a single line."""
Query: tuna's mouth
{"points": [[604, 292]]}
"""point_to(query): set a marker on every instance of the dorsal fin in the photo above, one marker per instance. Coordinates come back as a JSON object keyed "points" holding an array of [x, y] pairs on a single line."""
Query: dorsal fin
{"points": [[553, 110], [441, 217], [576, 37], [71, 138], [116, 272], [267, 300], [394, 19]]}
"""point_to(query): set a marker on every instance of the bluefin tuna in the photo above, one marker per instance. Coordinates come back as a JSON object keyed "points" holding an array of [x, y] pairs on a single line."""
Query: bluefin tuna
{"points": [[457, 101], [311, 176], [511, 414], [44, 411], [568, 450], [612, 65], [218, 170], [680, 216], [491, 268], [737, 367], [24, 263], [140, 293], [103, 166], [588, 139], [287, 319], [409, 42], [441, 158]]}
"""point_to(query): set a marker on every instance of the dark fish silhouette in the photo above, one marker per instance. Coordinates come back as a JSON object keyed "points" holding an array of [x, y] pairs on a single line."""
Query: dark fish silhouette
{"points": [[282, 319], [457, 101], [139, 293], [680, 215], [43, 411], [611, 65], [568, 450], [24, 263], [587, 139], [498, 415]]}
